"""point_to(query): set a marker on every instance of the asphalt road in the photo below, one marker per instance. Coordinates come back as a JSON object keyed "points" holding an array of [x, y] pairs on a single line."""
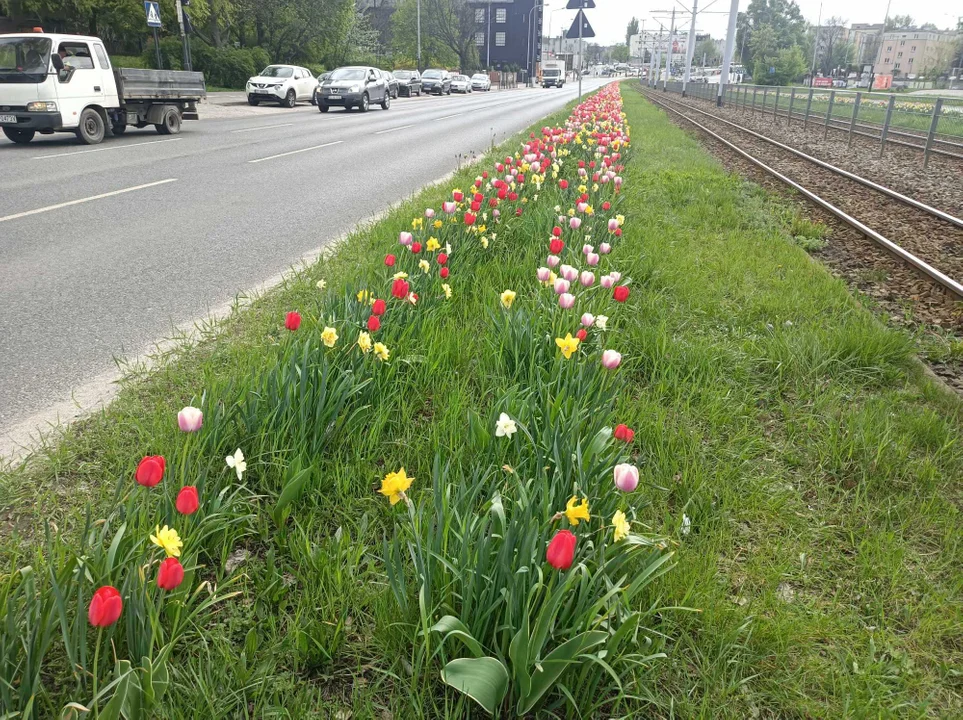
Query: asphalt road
{"points": [[105, 249]]}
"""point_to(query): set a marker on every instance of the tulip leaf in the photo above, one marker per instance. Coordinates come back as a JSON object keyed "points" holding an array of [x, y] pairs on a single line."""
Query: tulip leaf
{"points": [[289, 494], [114, 546], [518, 654], [483, 679], [555, 663], [452, 626]]}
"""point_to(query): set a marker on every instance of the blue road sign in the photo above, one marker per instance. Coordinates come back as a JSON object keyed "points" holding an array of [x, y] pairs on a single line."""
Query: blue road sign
{"points": [[153, 14]]}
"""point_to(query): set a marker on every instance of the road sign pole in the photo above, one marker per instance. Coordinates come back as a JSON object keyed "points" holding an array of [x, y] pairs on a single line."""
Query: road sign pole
{"points": [[160, 63], [581, 59], [180, 22]]}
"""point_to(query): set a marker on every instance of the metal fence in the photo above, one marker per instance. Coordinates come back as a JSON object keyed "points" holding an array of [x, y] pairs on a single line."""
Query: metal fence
{"points": [[932, 125]]}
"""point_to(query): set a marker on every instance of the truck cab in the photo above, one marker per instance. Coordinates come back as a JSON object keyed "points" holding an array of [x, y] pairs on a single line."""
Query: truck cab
{"points": [[553, 74], [65, 83]]}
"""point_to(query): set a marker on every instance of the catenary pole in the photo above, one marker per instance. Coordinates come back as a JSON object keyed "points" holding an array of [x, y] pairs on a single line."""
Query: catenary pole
{"points": [[668, 53], [819, 22], [730, 46], [690, 48]]}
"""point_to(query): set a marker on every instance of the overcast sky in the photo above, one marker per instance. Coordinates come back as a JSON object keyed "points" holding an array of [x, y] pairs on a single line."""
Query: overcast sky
{"points": [[610, 17]]}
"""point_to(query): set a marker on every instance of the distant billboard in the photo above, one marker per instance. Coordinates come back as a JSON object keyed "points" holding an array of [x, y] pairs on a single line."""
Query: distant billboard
{"points": [[822, 82]]}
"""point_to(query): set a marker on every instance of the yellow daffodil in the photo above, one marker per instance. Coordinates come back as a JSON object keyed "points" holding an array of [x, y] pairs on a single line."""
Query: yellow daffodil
{"points": [[589, 210], [621, 526], [508, 297], [582, 189], [417, 224], [399, 275], [395, 484], [568, 345], [321, 284], [438, 224], [364, 342], [364, 296], [595, 187], [381, 352], [168, 539], [482, 228], [425, 266], [620, 219], [571, 212], [447, 288], [432, 244], [329, 336], [576, 512], [484, 242]]}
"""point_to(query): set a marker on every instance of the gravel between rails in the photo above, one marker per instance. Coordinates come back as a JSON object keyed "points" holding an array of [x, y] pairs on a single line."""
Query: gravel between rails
{"points": [[901, 169]]}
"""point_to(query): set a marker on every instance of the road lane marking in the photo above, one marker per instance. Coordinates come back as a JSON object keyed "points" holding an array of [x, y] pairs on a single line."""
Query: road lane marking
{"points": [[385, 132], [448, 117], [59, 206], [295, 152], [105, 149], [261, 127]]}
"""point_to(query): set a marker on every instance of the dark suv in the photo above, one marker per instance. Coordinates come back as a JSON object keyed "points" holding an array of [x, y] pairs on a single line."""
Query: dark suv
{"points": [[436, 82], [358, 87], [409, 82]]}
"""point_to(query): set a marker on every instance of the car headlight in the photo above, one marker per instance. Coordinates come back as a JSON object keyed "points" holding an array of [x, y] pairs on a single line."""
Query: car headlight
{"points": [[42, 107], [355, 88]]}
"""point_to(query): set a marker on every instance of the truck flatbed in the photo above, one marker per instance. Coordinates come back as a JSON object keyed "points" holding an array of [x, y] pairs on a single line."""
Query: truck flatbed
{"points": [[172, 85]]}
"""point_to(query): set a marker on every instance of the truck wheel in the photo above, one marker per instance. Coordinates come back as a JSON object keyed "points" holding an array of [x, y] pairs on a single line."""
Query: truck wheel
{"points": [[171, 124], [21, 137], [91, 130]]}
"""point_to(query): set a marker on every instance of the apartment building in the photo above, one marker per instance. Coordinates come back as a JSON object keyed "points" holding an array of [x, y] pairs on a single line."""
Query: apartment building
{"points": [[508, 33], [911, 52]]}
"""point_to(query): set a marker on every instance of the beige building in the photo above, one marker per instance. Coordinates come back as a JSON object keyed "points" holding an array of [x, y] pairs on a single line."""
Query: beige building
{"points": [[910, 53]]}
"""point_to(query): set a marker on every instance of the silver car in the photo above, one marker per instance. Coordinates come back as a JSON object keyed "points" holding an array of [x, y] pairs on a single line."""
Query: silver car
{"points": [[356, 86]]}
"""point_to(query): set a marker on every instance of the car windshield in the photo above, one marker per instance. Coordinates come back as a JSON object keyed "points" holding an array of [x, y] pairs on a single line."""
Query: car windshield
{"points": [[404, 74], [348, 74], [553, 72], [461, 78], [479, 77], [432, 74], [278, 71], [24, 60]]}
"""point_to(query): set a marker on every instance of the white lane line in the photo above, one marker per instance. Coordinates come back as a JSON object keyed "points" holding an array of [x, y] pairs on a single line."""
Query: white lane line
{"points": [[385, 132], [447, 117], [295, 152], [85, 200], [261, 127], [105, 149]]}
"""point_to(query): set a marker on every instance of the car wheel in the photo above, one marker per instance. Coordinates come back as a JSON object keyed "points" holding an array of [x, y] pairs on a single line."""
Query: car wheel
{"points": [[386, 103], [251, 100], [322, 107], [91, 130], [171, 124], [449, 91], [365, 103], [21, 137], [291, 99]]}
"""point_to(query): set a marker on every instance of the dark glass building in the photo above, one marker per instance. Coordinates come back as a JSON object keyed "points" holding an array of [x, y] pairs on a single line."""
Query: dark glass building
{"points": [[508, 33]]}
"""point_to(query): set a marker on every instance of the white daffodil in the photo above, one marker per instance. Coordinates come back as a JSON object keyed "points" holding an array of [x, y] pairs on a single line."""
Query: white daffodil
{"points": [[686, 524], [237, 462], [601, 321], [505, 427]]}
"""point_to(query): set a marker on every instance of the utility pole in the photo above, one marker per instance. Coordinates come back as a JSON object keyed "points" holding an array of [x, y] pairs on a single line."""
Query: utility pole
{"points": [[879, 50], [730, 46], [419, 34], [690, 49], [819, 22], [488, 38], [668, 54], [180, 22]]}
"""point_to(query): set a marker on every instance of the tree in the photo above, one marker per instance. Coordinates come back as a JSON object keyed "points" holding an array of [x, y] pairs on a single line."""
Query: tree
{"points": [[445, 24], [898, 22], [619, 53], [404, 40], [632, 29], [707, 51], [828, 41]]}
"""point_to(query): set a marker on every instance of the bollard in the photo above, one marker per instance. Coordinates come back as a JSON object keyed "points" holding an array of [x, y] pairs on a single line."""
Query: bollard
{"points": [[937, 108], [792, 99], [852, 122], [829, 112], [809, 104], [889, 116]]}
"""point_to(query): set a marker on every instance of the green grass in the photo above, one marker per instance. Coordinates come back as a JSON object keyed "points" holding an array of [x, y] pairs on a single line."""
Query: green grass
{"points": [[819, 469]]}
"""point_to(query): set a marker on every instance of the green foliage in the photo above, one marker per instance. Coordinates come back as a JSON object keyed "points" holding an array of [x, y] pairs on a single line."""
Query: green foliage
{"points": [[772, 64]]}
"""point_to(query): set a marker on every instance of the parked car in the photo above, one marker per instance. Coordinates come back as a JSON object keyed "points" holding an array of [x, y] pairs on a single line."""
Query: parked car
{"points": [[436, 82], [481, 82], [356, 86], [461, 84], [317, 88], [284, 84], [393, 86], [409, 82]]}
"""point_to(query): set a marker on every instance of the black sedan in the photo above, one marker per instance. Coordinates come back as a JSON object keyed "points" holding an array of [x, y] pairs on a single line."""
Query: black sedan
{"points": [[409, 82], [436, 82]]}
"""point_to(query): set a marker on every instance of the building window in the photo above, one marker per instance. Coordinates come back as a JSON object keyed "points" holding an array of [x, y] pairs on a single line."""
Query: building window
{"points": [[911, 61], [480, 39], [480, 16], [501, 15], [889, 48], [897, 66], [500, 39], [887, 61], [913, 48], [899, 54], [902, 42]]}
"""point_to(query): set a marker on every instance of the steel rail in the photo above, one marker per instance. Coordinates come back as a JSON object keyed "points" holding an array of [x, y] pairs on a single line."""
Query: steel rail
{"points": [[907, 257]]}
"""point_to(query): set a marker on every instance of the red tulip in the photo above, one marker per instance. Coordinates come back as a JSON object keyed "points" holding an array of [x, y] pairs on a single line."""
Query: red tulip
{"points": [[399, 289], [475, 206], [442, 258], [485, 174], [150, 470], [105, 607], [478, 196], [581, 163], [458, 196], [513, 196], [557, 231], [379, 307], [518, 212], [581, 335], [606, 206], [292, 321], [374, 324], [187, 502], [469, 218], [493, 202], [170, 574], [502, 193], [390, 260], [585, 197], [563, 184], [444, 273], [416, 247], [618, 232], [561, 550], [556, 246], [624, 433], [621, 293]]}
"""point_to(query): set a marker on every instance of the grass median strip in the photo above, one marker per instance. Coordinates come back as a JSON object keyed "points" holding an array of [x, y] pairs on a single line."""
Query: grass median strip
{"points": [[788, 451]]}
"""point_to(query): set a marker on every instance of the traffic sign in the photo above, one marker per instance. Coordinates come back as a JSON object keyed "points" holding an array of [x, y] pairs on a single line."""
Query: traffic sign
{"points": [[580, 28], [580, 4], [153, 14]]}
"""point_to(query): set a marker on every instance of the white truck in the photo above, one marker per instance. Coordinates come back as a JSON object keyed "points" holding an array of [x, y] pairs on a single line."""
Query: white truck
{"points": [[65, 83], [553, 74]]}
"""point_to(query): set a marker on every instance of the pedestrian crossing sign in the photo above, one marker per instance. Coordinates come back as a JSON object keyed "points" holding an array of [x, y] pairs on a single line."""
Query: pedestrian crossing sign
{"points": [[153, 14]]}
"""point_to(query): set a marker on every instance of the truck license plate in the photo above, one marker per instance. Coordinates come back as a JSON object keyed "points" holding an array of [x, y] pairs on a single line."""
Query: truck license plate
{"points": [[8, 118]]}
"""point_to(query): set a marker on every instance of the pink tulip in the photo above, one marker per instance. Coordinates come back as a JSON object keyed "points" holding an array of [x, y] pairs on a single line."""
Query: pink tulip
{"points": [[543, 274], [588, 320], [605, 248], [611, 359], [553, 260], [592, 259], [566, 301], [587, 249], [605, 179], [450, 207], [616, 276], [575, 223], [496, 214], [581, 207], [618, 182], [582, 172], [613, 225], [405, 238], [429, 213], [626, 477], [607, 282], [190, 419], [587, 278], [562, 286], [569, 273], [561, 219]]}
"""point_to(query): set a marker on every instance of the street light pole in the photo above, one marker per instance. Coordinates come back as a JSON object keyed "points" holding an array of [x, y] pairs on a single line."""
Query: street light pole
{"points": [[419, 35], [879, 50], [819, 22], [488, 37], [531, 30]]}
